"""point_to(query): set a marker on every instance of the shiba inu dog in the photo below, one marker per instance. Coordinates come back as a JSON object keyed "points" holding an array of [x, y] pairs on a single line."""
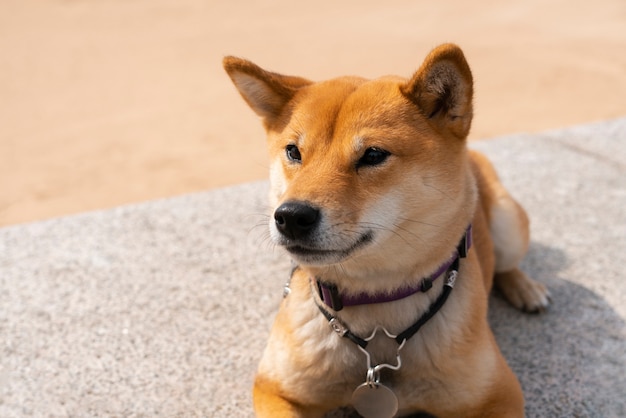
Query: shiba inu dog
{"points": [[398, 232]]}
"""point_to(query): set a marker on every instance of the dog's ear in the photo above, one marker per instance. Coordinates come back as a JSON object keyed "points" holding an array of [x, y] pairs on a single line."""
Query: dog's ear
{"points": [[442, 89], [265, 92]]}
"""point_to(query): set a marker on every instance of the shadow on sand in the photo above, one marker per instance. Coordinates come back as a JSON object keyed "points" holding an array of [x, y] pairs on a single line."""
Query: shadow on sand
{"points": [[571, 360]]}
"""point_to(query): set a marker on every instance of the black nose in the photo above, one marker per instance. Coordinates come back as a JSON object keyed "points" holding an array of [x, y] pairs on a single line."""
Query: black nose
{"points": [[295, 219]]}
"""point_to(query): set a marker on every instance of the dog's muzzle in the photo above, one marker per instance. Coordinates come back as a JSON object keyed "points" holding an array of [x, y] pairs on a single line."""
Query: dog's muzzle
{"points": [[301, 231]]}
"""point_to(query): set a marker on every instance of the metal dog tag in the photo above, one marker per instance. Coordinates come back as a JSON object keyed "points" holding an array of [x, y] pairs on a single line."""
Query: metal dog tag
{"points": [[374, 401]]}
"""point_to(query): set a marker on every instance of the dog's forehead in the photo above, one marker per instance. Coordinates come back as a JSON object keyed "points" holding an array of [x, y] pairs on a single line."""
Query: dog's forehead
{"points": [[377, 103], [348, 106], [353, 110], [319, 105]]}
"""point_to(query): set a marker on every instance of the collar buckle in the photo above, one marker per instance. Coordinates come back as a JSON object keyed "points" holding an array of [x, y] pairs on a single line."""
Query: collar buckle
{"points": [[329, 294]]}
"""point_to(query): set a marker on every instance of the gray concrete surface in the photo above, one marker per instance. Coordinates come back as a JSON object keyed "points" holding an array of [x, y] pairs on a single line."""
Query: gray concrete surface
{"points": [[163, 308]]}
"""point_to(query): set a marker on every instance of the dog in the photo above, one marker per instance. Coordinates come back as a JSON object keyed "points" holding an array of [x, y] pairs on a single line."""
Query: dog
{"points": [[397, 231]]}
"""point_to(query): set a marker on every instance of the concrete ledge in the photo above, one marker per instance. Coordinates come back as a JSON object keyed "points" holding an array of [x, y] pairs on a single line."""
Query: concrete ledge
{"points": [[163, 308]]}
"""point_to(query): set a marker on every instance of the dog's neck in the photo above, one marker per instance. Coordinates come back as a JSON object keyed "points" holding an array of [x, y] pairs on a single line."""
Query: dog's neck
{"points": [[330, 294]]}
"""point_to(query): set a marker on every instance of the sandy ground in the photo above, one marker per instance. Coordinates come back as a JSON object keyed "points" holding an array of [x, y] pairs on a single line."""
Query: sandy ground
{"points": [[108, 102]]}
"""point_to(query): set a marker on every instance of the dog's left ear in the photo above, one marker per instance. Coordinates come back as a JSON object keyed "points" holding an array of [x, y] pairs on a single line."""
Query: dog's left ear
{"points": [[442, 89]]}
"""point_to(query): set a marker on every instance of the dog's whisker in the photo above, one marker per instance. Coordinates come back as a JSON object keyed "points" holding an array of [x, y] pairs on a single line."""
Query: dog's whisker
{"points": [[418, 222], [447, 195], [414, 235], [394, 231]]}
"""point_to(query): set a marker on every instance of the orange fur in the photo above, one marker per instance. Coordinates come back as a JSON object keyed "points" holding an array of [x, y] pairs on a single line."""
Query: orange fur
{"points": [[382, 169]]}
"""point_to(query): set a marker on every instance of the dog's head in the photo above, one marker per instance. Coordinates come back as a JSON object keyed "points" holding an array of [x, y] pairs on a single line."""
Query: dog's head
{"points": [[365, 171]]}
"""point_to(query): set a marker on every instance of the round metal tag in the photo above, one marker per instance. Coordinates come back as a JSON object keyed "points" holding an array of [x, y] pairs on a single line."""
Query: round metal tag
{"points": [[376, 401]]}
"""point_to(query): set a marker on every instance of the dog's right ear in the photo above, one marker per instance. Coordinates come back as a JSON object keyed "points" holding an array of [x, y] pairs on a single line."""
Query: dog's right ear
{"points": [[265, 92]]}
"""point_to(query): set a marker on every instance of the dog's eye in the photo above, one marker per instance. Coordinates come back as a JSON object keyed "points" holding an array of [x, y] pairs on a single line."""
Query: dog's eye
{"points": [[373, 156], [293, 153]]}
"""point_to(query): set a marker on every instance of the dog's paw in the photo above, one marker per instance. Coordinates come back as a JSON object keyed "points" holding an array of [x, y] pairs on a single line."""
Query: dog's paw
{"points": [[523, 292]]}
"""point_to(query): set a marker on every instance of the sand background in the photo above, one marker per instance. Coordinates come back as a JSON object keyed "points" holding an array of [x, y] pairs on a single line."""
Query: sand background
{"points": [[109, 102]]}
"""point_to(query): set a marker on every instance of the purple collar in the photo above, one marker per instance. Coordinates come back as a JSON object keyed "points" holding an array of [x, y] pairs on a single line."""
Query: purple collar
{"points": [[330, 295]]}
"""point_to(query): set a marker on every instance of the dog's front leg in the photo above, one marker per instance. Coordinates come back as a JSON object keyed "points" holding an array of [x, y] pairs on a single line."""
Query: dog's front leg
{"points": [[268, 402]]}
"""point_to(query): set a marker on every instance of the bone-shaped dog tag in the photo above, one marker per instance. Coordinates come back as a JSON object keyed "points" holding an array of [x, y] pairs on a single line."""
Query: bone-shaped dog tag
{"points": [[374, 401]]}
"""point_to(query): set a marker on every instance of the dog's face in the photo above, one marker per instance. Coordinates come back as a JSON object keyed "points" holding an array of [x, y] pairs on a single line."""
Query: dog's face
{"points": [[364, 171]]}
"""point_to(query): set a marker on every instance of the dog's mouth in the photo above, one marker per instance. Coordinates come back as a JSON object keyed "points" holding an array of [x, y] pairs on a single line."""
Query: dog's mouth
{"points": [[312, 254]]}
